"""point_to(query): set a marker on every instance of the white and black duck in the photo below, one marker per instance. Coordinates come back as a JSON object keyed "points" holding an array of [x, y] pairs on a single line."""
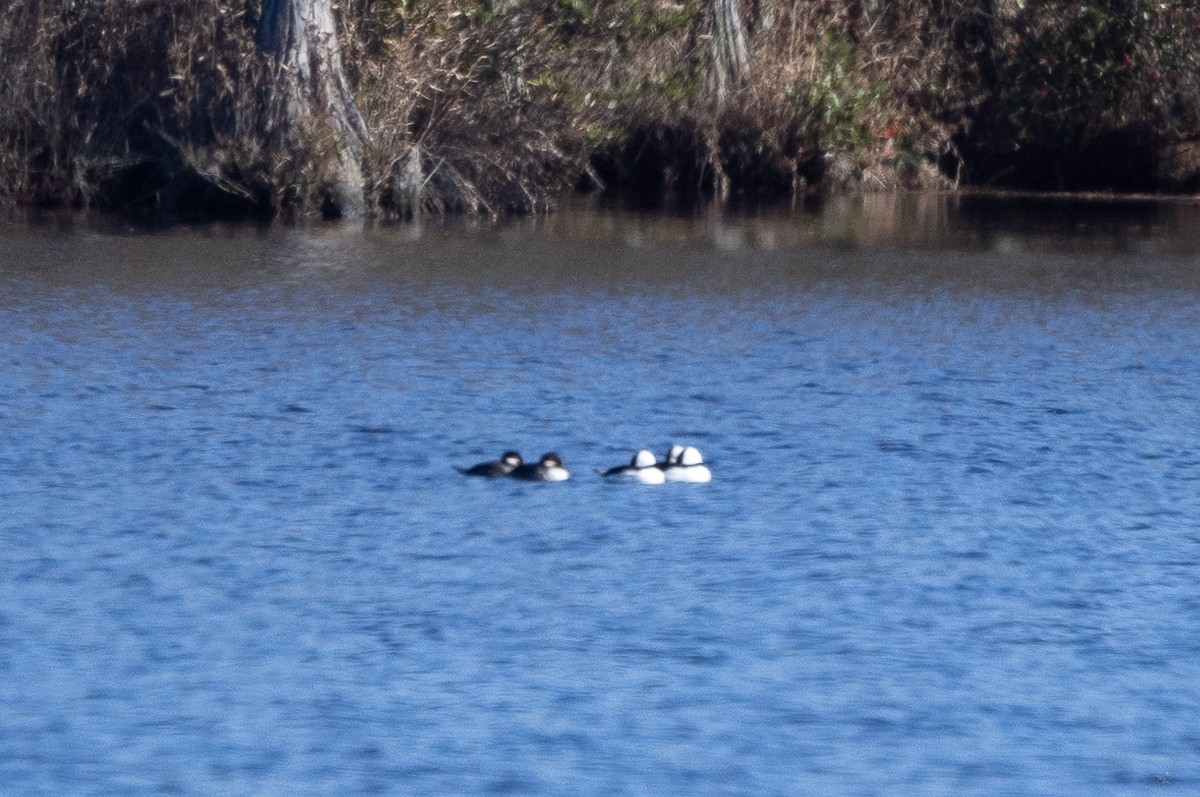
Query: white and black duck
{"points": [[548, 469], [641, 469], [688, 467]]}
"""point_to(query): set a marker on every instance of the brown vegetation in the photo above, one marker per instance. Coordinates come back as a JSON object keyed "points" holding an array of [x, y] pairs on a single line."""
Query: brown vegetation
{"points": [[495, 106]]}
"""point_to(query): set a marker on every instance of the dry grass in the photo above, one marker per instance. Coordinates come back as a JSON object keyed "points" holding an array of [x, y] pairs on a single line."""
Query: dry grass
{"points": [[494, 107]]}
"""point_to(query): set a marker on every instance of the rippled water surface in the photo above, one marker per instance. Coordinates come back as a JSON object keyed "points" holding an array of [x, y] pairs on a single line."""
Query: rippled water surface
{"points": [[950, 547]]}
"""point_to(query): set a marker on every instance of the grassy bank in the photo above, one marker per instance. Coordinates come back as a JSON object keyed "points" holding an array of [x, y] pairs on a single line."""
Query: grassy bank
{"points": [[496, 107]]}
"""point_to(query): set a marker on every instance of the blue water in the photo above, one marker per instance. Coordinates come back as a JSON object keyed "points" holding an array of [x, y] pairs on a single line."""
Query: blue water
{"points": [[951, 546]]}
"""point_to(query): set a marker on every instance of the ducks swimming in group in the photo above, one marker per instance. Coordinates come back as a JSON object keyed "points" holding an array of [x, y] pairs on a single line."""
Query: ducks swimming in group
{"points": [[547, 469], [681, 464]]}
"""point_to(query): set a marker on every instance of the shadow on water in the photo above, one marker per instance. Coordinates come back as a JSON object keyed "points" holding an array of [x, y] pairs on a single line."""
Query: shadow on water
{"points": [[886, 220]]}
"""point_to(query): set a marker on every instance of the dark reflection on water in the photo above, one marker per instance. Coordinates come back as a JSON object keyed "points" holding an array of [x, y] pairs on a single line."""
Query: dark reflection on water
{"points": [[950, 547]]}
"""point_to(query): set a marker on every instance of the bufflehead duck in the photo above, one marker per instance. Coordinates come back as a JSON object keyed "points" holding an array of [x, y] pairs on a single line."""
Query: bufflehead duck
{"points": [[672, 459], [689, 467], [548, 469], [642, 469], [508, 462]]}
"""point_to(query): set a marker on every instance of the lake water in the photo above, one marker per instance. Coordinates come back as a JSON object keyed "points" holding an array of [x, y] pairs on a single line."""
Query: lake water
{"points": [[951, 546]]}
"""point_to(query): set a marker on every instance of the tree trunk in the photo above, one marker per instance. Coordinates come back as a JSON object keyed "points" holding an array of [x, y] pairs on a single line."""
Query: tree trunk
{"points": [[730, 53], [310, 90]]}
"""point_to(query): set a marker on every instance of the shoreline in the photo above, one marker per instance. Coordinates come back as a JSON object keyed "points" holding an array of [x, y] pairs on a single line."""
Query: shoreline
{"points": [[493, 107]]}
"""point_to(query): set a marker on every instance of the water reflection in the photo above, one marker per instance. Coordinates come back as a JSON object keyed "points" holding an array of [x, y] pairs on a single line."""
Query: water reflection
{"points": [[881, 244], [967, 221], [972, 222]]}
